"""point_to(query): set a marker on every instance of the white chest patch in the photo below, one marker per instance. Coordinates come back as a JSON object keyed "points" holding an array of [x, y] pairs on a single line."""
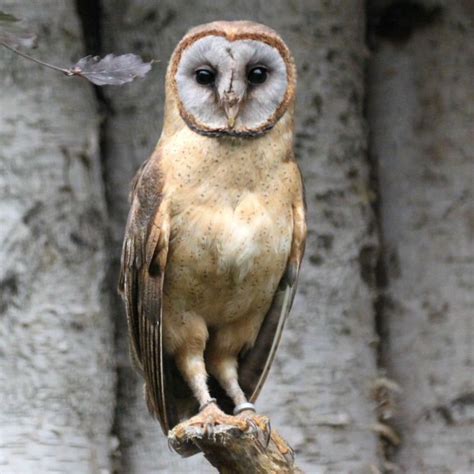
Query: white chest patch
{"points": [[249, 235], [226, 237], [240, 244]]}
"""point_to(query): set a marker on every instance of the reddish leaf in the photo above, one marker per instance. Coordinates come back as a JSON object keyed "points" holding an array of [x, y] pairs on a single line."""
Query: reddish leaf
{"points": [[111, 70]]}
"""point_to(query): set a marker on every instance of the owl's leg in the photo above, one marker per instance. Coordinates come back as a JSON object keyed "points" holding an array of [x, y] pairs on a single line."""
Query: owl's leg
{"points": [[224, 369], [192, 368], [190, 362], [185, 337], [222, 353]]}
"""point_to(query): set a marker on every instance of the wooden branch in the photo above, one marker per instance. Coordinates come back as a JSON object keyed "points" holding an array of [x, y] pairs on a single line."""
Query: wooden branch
{"points": [[237, 446]]}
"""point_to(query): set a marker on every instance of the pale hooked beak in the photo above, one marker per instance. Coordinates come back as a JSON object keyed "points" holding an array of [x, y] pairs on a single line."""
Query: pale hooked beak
{"points": [[231, 107]]}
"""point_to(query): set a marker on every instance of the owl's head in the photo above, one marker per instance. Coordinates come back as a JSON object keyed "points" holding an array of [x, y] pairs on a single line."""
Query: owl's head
{"points": [[232, 78]]}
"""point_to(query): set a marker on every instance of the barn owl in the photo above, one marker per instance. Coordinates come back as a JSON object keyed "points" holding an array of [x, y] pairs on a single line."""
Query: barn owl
{"points": [[216, 230]]}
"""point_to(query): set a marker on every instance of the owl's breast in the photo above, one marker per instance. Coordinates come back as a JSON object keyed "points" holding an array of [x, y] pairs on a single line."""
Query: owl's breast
{"points": [[221, 240], [254, 233], [231, 214]]}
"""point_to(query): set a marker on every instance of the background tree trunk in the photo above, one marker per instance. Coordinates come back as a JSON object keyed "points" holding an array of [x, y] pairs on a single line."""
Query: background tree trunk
{"points": [[56, 353], [318, 391], [409, 320], [422, 121]]}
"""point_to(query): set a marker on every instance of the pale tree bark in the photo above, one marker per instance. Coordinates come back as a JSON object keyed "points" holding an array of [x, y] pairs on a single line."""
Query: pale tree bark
{"points": [[318, 391], [422, 120], [56, 374], [56, 337]]}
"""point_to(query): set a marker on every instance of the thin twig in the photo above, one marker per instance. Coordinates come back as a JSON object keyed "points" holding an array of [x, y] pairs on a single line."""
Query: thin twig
{"points": [[31, 58]]}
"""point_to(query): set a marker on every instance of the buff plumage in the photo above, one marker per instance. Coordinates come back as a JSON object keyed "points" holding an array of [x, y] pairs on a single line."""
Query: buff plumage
{"points": [[216, 230]]}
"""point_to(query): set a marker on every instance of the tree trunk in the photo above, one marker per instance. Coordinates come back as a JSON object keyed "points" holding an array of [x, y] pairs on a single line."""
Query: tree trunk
{"points": [[422, 121], [318, 392], [56, 353], [57, 377]]}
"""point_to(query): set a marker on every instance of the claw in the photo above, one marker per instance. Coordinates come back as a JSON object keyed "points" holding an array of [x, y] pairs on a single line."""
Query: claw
{"points": [[252, 426], [265, 432], [269, 434], [208, 418], [258, 426]]}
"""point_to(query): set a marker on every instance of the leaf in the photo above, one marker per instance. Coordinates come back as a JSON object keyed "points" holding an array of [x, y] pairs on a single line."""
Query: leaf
{"points": [[111, 70]]}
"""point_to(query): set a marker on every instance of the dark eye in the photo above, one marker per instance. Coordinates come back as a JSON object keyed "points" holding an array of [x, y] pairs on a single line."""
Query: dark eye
{"points": [[257, 75], [205, 77]]}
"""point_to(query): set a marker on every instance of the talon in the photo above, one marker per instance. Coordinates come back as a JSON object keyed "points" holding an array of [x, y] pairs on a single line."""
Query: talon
{"points": [[269, 437], [248, 415], [208, 429], [209, 417], [252, 426]]}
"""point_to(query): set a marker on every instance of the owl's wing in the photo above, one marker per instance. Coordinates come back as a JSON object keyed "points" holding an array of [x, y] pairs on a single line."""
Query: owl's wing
{"points": [[255, 364], [143, 263]]}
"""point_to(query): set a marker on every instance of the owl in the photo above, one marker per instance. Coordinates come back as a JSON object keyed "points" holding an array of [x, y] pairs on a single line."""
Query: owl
{"points": [[216, 230]]}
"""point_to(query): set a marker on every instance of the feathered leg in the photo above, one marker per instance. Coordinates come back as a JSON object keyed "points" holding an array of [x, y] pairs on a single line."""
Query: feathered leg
{"points": [[222, 354]]}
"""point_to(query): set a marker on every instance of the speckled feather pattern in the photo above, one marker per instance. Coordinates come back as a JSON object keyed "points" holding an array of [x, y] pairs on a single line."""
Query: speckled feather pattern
{"points": [[231, 231]]}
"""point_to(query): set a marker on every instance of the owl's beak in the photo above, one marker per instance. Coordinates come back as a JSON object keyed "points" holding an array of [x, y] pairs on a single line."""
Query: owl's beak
{"points": [[231, 104]]}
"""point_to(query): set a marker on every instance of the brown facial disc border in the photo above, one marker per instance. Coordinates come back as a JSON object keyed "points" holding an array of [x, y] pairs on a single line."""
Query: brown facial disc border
{"points": [[269, 39]]}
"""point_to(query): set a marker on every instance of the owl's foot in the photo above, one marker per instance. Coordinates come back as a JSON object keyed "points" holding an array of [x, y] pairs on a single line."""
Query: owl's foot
{"points": [[246, 411], [212, 428], [258, 425], [211, 417]]}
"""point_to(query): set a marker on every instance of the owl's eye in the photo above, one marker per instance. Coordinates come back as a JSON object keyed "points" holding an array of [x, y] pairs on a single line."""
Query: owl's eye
{"points": [[205, 77], [257, 75]]}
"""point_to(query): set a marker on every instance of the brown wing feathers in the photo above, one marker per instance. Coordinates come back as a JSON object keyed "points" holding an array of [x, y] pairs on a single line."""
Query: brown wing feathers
{"points": [[255, 364], [141, 284]]}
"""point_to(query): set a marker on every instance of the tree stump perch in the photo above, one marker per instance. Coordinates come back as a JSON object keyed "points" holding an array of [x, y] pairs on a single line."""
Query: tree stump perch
{"points": [[238, 446]]}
